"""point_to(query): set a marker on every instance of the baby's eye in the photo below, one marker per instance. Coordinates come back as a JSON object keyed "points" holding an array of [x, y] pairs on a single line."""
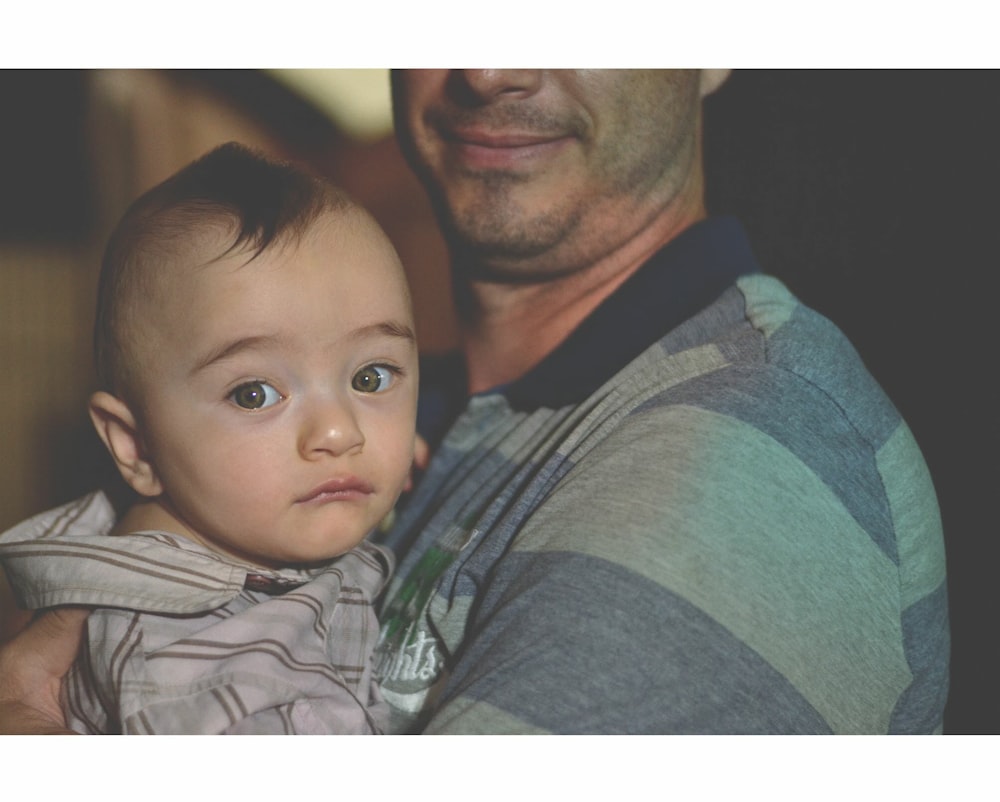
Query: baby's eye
{"points": [[255, 395], [373, 379]]}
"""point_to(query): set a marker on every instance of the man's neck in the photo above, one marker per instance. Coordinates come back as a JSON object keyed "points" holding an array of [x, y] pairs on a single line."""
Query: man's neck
{"points": [[509, 327]]}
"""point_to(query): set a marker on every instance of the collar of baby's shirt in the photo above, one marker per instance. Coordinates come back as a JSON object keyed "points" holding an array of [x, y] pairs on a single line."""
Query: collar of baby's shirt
{"points": [[90, 514]]}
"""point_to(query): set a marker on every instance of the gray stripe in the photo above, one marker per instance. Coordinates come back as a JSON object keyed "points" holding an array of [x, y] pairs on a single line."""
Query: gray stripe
{"points": [[319, 625], [214, 651], [123, 652], [927, 645], [571, 645], [136, 721], [285, 715], [807, 422], [226, 707], [840, 373], [71, 513]]}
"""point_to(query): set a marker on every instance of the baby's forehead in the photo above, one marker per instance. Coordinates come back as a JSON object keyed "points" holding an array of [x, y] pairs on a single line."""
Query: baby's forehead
{"points": [[187, 243], [213, 247], [348, 221], [198, 234]]}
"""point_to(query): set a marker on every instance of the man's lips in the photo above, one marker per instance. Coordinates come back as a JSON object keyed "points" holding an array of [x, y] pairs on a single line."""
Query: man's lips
{"points": [[498, 139], [496, 149], [342, 489]]}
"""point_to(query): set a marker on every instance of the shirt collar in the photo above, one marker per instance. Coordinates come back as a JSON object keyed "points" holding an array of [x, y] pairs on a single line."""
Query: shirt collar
{"points": [[680, 280]]}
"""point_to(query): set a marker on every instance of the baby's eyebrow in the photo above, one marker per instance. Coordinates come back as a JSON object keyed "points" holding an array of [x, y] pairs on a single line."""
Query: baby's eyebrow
{"points": [[387, 328], [228, 349]]}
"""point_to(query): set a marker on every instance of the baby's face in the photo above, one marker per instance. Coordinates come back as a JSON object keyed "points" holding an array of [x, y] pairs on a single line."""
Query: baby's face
{"points": [[279, 401]]}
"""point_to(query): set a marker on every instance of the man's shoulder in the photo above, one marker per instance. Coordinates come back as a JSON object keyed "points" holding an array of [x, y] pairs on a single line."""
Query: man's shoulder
{"points": [[800, 341], [757, 398], [759, 353]]}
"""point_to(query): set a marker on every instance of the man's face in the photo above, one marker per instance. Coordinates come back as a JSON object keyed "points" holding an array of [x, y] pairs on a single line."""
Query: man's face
{"points": [[278, 396], [548, 163]]}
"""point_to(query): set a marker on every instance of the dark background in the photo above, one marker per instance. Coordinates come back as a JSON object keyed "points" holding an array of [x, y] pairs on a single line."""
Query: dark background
{"points": [[872, 194]]}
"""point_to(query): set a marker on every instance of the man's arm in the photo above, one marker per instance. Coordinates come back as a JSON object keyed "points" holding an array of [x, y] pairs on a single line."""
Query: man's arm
{"points": [[32, 666], [34, 658], [702, 580]]}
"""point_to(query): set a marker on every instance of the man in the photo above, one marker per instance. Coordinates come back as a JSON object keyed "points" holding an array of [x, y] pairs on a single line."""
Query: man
{"points": [[674, 501]]}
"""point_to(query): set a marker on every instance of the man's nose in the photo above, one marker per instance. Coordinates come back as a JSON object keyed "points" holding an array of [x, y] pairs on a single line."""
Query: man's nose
{"points": [[330, 428], [489, 85]]}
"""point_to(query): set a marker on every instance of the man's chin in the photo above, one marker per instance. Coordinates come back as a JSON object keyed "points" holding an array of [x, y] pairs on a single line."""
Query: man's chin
{"points": [[502, 234]]}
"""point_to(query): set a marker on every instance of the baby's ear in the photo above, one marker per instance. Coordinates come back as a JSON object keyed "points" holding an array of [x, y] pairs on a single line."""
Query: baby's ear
{"points": [[117, 428]]}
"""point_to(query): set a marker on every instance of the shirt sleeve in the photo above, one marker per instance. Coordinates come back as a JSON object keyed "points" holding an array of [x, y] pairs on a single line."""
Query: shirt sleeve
{"points": [[692, 575]]}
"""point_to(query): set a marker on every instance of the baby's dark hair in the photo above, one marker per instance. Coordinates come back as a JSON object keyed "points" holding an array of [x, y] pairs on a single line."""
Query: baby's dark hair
{"points": [[233, 189]]}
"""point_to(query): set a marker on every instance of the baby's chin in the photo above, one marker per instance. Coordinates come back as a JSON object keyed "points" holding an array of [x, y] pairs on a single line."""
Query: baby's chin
{"points": [[308, 555]]}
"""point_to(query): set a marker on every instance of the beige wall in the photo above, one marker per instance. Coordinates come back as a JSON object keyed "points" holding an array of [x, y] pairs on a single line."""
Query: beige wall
{"points": [[45, 359]]}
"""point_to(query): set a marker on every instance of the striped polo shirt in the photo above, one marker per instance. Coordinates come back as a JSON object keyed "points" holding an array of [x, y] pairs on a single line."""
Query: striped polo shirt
{"points": [[699, 514]]}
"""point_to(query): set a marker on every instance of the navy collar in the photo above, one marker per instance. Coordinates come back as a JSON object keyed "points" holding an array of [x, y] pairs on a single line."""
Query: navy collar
{"points": [[680, 280]]}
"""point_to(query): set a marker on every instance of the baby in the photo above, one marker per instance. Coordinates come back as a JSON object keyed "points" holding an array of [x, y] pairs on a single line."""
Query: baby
{"points": [[255, 345]]}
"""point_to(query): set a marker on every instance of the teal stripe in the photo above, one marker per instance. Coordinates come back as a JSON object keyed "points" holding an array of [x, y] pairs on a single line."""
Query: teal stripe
{"points": [[804, 421], [915, 514], [749, 534]]}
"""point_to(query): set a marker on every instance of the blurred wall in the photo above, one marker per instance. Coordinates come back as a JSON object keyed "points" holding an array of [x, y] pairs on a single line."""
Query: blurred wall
{"points": [[873, 195]]}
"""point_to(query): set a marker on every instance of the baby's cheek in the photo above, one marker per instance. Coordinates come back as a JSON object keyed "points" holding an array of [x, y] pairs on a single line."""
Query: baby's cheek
{"points": [[248, 489]]}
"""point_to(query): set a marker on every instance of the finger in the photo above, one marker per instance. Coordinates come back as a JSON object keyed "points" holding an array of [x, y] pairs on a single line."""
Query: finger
{"points": [[421, 453], [54, 638], [421, 456], [21, 719], [32, 666]]}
